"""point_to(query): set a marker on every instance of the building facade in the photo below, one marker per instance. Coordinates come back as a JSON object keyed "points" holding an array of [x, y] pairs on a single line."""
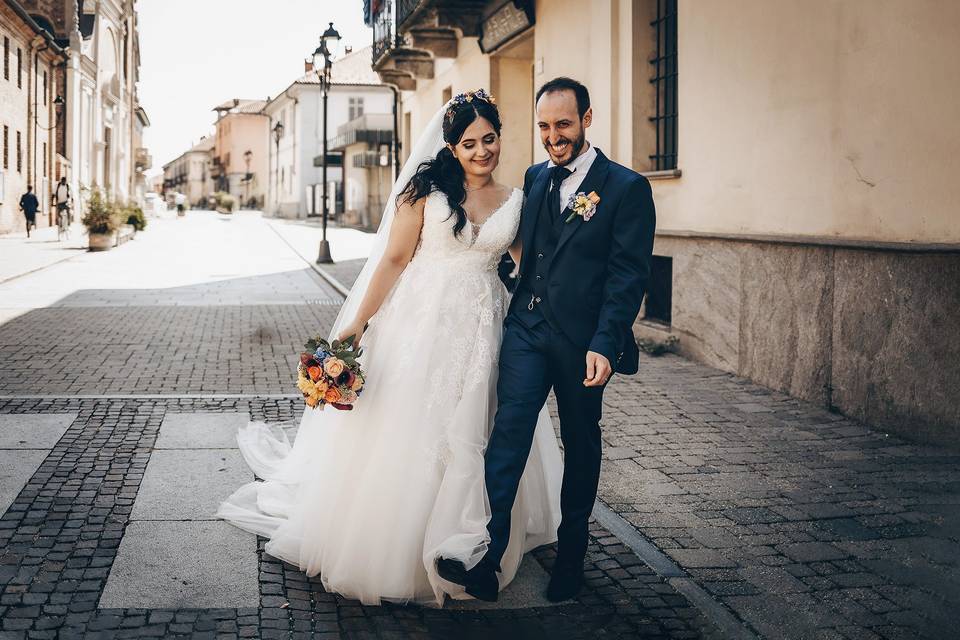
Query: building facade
{"points": [[240, 151], [192, 173], [801, 243], [31, 117], [296, 145], [102, 117]]}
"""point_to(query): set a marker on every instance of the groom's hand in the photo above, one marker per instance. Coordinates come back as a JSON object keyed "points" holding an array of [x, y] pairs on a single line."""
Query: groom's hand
{"points": [[598, 370]]}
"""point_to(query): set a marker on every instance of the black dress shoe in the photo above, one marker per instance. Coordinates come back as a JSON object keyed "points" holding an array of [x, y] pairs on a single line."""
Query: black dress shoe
{"points": [[480, 582], [565, 583]]}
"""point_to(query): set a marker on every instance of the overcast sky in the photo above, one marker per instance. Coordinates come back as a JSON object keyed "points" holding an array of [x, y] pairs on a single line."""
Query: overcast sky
{"points": [[196, 54]]}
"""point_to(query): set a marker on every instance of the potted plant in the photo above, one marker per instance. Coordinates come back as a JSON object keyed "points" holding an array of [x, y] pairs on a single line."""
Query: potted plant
{"points": [[225, 202], [134, 216], [101, 221]]}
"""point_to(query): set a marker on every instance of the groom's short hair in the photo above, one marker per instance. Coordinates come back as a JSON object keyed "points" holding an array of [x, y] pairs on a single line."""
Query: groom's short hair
{"points": [[567, 84]]}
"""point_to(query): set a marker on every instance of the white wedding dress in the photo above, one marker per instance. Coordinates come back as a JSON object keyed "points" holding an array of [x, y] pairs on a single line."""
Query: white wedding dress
{"points": [[369, 498]]}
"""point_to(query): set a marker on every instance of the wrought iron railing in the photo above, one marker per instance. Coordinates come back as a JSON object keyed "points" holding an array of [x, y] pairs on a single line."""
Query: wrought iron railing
{"points": [[383, 33], [405, 9]]}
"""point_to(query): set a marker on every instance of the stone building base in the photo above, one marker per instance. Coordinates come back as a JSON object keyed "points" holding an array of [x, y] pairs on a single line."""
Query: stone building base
{"points": [[870, 331]]}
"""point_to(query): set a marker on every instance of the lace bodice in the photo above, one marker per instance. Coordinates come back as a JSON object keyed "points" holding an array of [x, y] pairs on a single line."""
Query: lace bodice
{"points": [[477, 246]]}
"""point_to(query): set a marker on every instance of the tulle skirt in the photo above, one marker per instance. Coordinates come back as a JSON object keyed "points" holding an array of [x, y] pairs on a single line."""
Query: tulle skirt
{"points": [[370, 498]]}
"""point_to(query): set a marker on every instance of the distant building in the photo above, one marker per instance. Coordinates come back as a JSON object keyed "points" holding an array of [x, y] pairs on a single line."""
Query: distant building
{"points": [[31, 122], [803, 158], [240, 151], [102, 117], [357, 101], [191, 173]]}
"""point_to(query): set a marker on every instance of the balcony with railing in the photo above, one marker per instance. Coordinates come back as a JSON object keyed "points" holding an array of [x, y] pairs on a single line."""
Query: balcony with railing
{"points": [[142, 159], [373, 129], [409, 35]]}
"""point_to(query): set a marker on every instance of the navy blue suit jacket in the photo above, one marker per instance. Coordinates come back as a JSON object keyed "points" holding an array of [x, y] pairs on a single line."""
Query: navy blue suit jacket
{"points": [[600, 270]]}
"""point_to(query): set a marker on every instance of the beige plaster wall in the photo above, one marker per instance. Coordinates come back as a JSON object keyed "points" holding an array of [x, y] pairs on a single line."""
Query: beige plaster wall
{"points": [[831, 118]]}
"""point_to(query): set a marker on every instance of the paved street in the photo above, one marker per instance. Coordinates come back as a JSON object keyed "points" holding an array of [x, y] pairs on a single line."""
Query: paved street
{"points": [[725, 510]]}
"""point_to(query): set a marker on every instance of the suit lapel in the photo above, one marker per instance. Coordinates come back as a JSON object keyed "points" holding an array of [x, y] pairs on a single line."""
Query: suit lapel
{"points": [[593, 182], [528, 221]]}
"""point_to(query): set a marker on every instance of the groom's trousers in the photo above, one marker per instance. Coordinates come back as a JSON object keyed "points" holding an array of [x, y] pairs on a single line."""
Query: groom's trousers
{"points": [[534, 359]]}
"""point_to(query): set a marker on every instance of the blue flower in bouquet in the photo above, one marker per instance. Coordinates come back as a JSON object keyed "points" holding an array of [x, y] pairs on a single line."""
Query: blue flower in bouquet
{"points": [[321, 355]]}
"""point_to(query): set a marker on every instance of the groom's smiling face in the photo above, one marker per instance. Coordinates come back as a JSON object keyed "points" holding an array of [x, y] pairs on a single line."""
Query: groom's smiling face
{"points": [[562, 130]]}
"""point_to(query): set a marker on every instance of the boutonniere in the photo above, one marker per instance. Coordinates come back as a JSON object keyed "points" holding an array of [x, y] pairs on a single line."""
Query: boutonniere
{"points": [[583, 205]]}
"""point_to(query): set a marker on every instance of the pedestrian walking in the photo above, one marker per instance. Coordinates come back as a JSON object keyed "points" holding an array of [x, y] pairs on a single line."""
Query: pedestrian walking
{"points": [[62, 196], [29, 204]]}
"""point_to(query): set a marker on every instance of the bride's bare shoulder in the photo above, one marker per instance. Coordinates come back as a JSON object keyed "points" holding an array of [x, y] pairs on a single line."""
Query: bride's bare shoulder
{"points": [[505, 190]]}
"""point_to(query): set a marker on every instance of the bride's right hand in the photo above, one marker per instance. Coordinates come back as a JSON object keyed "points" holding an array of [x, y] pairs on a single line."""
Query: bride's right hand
{"points": [[356, 330]]}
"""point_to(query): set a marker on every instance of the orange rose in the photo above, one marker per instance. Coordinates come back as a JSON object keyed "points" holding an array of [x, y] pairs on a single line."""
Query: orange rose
{"points": [[593, 197], [333, 366], [315, 373], [332, 395], [357, 384]]}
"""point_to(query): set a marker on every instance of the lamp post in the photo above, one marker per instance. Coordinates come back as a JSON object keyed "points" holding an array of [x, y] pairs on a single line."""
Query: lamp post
{"points": [[247, 156], [329, 38], [277, 134]]}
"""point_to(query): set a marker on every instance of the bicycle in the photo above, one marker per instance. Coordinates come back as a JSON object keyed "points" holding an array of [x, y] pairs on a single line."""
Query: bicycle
{"points": [[64, 220]]}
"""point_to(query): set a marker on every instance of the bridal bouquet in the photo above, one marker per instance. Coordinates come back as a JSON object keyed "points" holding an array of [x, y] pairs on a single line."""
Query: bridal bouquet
{"points": [[330, 374]]}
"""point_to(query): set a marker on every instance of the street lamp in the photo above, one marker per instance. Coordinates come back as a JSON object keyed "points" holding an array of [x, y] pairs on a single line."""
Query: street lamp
{"points": [[247, 155], [329, 38], [277, 134]]}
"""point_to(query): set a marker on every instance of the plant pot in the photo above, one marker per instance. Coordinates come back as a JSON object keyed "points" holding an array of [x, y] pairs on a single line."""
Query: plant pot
{"points": [[101, 241]]}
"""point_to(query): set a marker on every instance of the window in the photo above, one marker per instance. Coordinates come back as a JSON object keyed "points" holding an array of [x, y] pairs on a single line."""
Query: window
{"points": [[356, 108], [6, 147], [6, 58], [19, 154], [19, 68], [45, 88], [447, 94], [658, 303], [664, 81], [44, 159]]}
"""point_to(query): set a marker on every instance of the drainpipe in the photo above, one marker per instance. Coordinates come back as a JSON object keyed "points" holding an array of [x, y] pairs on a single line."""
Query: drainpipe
{"points": [[396, 135]]}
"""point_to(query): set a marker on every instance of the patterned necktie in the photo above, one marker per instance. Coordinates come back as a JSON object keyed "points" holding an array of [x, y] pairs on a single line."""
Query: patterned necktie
{"points": [[557, 175]]}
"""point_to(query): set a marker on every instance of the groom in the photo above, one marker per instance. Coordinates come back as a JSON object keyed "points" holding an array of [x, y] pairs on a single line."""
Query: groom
{"points": [[582, 277]]}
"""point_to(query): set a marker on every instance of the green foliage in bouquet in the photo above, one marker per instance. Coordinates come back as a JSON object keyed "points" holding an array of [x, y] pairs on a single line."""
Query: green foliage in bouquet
{"points": [[342, 349], [102, 215]]}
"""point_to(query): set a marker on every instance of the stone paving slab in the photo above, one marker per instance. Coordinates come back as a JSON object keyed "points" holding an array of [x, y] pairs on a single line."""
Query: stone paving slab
{"points": [[25, 441], [33, 431], [17, 466], [201, 430], [190, 565], [189, 484]]}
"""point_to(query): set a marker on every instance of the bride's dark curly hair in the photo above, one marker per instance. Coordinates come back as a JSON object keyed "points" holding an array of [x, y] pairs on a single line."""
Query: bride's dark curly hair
{"points": [[444, 173]]}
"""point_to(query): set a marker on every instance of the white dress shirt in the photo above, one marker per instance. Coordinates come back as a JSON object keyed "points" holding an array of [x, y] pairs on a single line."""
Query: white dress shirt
{"points": [[579, 166]]}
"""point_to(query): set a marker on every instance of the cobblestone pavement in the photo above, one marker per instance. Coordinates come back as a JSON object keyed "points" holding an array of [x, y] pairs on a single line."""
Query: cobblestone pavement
{"points": [[194, 307], [795, 522], [61, 534]]}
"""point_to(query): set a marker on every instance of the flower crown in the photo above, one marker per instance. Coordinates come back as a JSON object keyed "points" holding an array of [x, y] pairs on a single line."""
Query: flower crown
{"points": [[465, 98]]}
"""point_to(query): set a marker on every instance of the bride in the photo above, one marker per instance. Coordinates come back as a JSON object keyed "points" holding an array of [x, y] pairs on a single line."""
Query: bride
{"points": [[369, 499]]}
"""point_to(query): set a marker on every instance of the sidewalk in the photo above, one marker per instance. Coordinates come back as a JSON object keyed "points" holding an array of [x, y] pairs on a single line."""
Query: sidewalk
{"points": [[20, 255]]}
